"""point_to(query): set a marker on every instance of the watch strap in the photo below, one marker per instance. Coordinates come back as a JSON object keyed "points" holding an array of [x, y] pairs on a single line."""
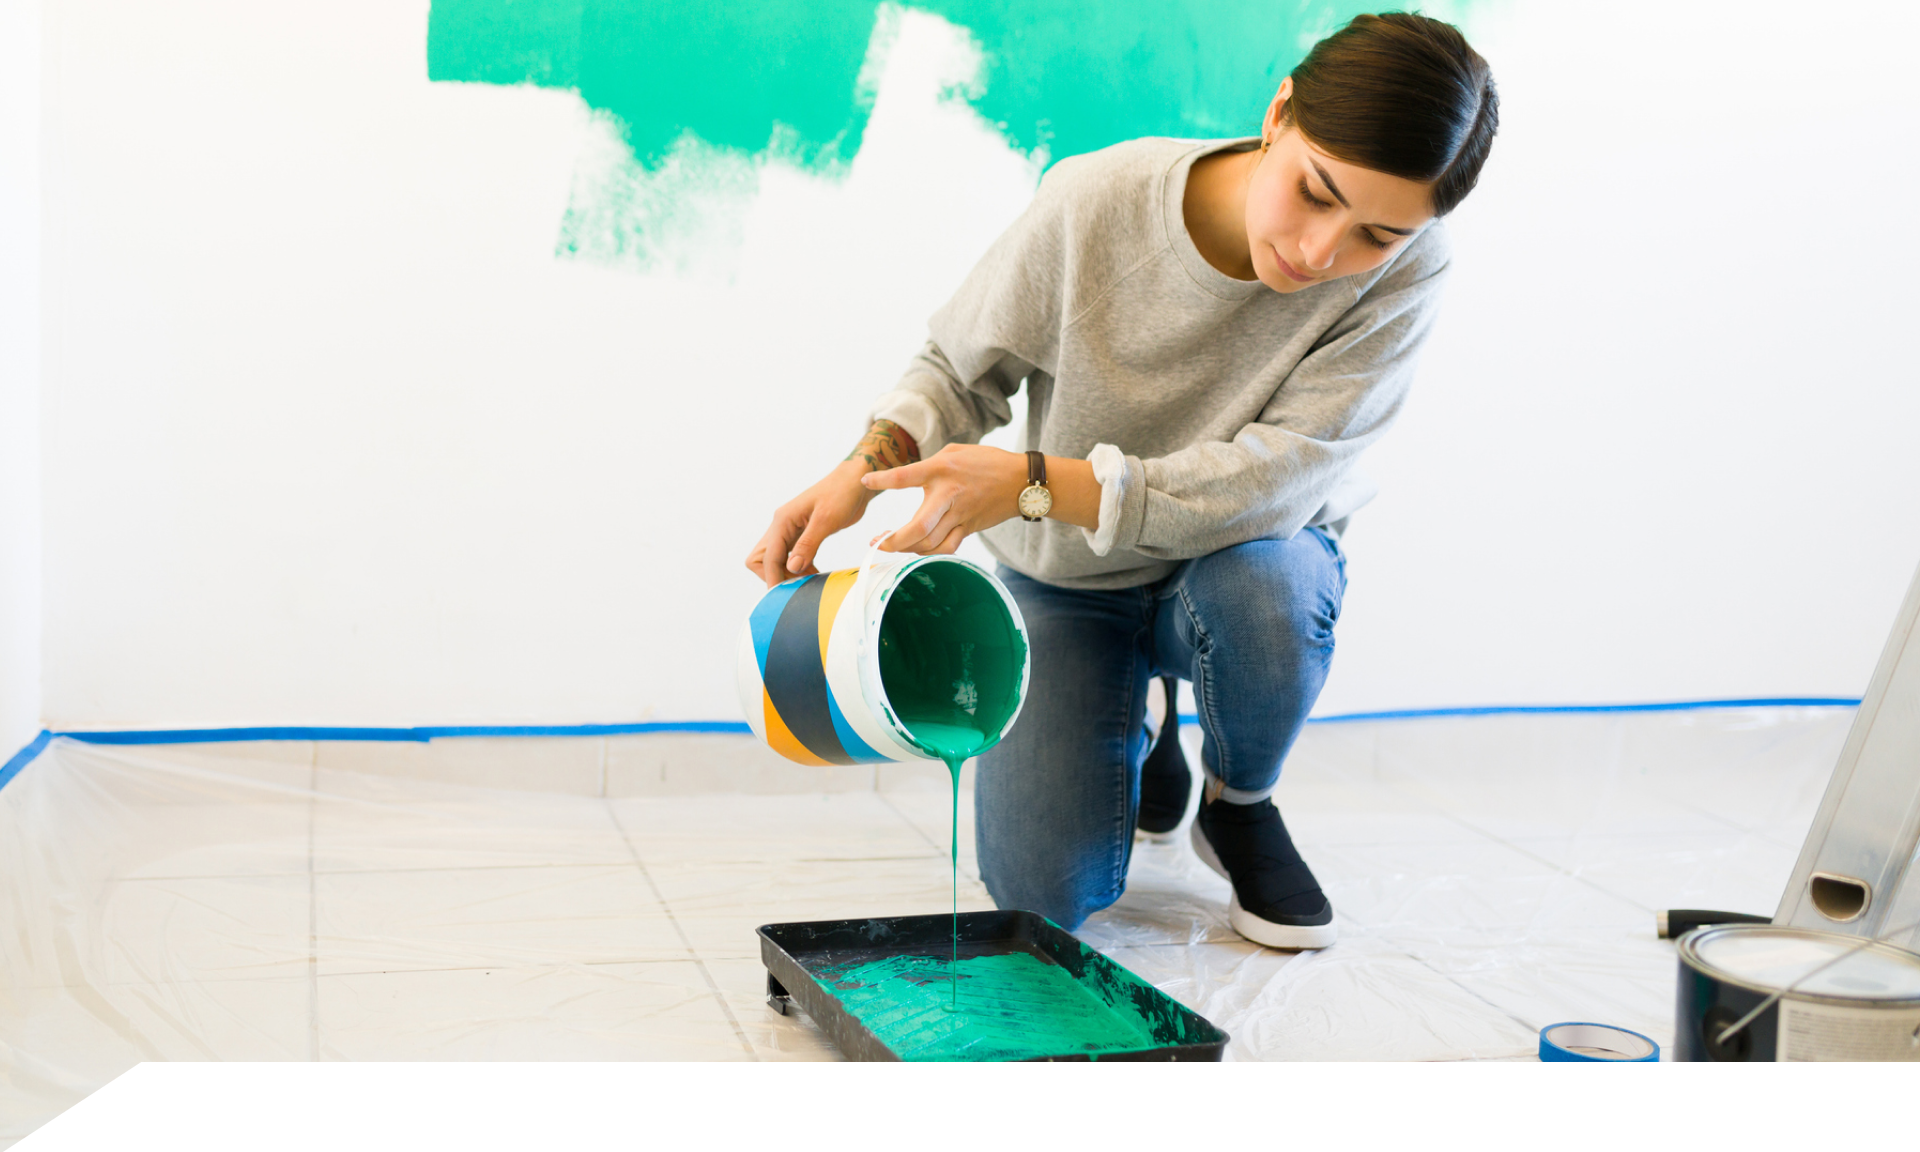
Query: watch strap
{"points": [[1036, 468]]}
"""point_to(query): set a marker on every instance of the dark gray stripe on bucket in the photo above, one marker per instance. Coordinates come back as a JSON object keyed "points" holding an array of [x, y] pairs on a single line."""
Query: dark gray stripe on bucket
{"points": [[796, 674]]}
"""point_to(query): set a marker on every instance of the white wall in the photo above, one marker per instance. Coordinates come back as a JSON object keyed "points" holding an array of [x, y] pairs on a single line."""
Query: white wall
{"points": [[333, 437], [19, 374], [1663, 445]]}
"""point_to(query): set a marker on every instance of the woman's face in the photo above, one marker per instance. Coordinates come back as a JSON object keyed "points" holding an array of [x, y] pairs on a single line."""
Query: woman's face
{"points": [[1312, 218]]}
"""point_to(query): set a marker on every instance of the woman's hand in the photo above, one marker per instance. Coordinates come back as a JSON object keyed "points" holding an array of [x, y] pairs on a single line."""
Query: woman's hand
{"points": [[801, 524], [968, 488]]}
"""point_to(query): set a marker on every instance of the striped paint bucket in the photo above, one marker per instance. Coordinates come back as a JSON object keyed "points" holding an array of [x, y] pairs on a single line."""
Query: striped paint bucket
{"points": [[884, 662]]}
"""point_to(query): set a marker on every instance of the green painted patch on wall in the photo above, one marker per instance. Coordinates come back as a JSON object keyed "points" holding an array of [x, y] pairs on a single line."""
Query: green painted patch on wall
{"points": [[785, 77], [1068, 75]]}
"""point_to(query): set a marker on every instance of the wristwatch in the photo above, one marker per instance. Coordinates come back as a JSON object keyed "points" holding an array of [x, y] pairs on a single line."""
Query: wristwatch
{"points": [[1035, 500]]}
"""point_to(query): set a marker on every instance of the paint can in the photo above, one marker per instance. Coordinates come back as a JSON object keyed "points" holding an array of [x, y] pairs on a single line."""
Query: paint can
{"points": [[883, 662], [1764, 992]]}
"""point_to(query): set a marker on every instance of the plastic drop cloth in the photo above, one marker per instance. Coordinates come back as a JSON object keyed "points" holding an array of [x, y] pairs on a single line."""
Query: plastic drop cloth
{"points": [[1491, 875]]}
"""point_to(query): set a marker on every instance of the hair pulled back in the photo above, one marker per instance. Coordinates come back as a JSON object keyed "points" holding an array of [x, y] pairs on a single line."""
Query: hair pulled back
{"points": [[1402, 94]]}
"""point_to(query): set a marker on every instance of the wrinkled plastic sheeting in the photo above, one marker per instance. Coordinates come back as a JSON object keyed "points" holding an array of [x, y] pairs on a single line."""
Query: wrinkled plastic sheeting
{"points": [[1491, 875]]}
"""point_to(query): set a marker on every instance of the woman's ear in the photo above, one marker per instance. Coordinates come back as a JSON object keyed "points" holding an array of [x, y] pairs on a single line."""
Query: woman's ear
{"points": [[1276, 113]]}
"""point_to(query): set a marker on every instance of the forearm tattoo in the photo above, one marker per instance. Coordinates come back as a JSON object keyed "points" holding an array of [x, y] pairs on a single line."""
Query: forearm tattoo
{"points": [[886, 445]]}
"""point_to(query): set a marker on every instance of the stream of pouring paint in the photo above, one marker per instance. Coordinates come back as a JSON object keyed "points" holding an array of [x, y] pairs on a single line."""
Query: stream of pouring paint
{"points": [[953, 743]]}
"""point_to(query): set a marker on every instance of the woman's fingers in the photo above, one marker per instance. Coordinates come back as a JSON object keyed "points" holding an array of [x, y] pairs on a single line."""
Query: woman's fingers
{"points": [[951, 544], [800, 556], [905, 476], [775, 546], [918, 533]]}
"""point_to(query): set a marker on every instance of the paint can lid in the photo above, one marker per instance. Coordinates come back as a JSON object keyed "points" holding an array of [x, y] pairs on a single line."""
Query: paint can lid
{"points": [[1771, 957]]}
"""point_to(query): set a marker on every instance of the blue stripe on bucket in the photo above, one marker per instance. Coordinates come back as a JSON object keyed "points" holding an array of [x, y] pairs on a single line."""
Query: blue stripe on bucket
{"points": [[857, 748], [766, 616]]}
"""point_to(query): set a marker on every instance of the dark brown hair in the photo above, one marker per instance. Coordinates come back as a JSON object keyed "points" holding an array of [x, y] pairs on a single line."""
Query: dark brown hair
{"points": [[1402, 94]]}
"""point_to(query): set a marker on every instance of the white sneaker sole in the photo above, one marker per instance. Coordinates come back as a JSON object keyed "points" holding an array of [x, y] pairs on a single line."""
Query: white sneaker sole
{"points": [[1290, 937]]}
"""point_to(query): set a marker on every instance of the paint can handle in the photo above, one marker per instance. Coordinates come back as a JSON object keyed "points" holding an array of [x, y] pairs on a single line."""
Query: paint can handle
{"points": [[858, 593]]}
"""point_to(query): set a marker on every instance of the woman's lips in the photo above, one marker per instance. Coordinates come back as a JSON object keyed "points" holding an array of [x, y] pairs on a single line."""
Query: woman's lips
{"points": [[1290, 269]]}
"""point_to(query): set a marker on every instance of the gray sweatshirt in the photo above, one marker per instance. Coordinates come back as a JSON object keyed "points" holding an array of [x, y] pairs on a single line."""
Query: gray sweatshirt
{"points": [[1214, 411]]}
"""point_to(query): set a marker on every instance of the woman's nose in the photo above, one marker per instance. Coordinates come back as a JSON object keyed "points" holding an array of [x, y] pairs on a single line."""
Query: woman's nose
{"points": [[1318, 248]]}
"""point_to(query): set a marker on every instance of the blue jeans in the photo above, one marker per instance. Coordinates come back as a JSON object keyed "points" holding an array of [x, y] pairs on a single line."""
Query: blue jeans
{"points": [[1250, 626]]}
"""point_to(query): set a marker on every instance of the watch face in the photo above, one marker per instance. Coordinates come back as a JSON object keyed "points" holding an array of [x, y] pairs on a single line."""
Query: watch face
{"points": [[1035, 501]]}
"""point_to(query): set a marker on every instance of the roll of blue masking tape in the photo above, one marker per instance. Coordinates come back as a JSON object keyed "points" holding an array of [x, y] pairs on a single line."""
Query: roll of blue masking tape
{"points": [[1580, 1043]]}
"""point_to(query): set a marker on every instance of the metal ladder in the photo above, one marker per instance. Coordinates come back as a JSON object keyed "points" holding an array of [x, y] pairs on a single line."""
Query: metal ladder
{"points": [[1855, 867]]}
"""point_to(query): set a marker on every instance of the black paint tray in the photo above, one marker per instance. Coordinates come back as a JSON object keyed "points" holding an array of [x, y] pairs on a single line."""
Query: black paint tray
{"points": [[813, 965]]}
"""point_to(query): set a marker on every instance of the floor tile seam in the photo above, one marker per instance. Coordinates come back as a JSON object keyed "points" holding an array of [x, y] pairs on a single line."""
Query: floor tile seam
{"points": [[603, 866], [909, 822], [1661, 836], [1211, 940], [713, 986], [1551, 865], [704, 861], [610, 865], [716, 957], [514, 966], [313, 913], [1449, 978], [1707, 812], [299, 976], [284, 977], [1780, 842]]}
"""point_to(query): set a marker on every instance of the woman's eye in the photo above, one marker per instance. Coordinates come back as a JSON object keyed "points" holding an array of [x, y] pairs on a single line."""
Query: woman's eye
{"points": [[1307, 195], [1375, 240]]}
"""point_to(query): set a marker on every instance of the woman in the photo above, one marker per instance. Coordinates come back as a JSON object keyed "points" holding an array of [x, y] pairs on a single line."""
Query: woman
{"points": [[1210, 334]]}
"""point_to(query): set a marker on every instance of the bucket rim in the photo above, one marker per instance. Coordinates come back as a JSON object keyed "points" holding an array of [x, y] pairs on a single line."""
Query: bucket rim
{"points": [[884, 591], [1688, 950]]}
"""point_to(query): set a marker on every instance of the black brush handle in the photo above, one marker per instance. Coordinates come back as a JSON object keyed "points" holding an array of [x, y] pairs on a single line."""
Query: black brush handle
{"points": [[1677, 922]]}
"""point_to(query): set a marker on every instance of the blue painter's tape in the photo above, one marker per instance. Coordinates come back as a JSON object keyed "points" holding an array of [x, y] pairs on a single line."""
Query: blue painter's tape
{"points": [[736, 728], [24, 757], [229, 735], [1551, 709], [1578, 1042], [722, 727], [402, 735]]}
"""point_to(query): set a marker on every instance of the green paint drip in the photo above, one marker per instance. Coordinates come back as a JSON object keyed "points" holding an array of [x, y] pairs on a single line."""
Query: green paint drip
{"points": [[1018, 1007], [951, 661], [793, 78]]}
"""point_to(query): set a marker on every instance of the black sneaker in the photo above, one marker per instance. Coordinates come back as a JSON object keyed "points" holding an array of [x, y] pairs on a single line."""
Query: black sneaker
{"points": [[1165, 780], [1276, 900]]}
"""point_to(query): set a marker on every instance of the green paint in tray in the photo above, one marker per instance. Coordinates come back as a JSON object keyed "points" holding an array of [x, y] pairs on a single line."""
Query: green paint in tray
{"points": [[1013, 1006]]}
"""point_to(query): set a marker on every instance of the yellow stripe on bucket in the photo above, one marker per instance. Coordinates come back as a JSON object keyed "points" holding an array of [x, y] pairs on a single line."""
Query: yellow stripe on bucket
{"points": [[782, 740], [838, 585]]}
